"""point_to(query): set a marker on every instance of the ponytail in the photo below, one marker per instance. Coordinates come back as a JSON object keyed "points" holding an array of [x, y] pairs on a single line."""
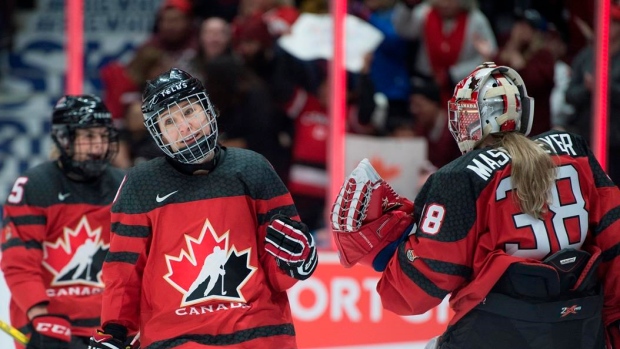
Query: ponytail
{"points": [[533, 172]]}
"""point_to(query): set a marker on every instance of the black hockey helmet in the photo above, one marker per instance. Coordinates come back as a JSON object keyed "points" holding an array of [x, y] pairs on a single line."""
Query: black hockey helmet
{"points": [[171, 100], [74, 112]]}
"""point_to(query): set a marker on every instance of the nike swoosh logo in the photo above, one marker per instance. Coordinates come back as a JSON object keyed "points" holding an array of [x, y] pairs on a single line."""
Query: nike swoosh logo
{"points": [[62, 196], [160, 199]]}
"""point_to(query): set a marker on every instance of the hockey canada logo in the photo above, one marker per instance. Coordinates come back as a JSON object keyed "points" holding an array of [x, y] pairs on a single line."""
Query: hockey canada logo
{"points": [[208, 269], [77, 256]]}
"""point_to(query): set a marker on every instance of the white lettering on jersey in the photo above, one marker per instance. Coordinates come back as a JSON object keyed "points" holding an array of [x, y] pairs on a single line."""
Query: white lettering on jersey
{"points": [[483, 165], [561, 143], [207, 309]]}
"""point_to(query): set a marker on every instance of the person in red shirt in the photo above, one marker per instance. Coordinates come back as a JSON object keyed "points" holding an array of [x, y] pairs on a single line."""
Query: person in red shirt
{"points": [[519, 232], [57, 229], [205, 241]]}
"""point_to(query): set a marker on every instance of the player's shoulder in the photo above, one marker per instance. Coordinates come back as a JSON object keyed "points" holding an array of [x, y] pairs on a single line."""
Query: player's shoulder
{"points": [[43, 178], [38, 185], [148, 172], [142, 184], [478, 164], [243, 159], [42, 171], [564, 143]]}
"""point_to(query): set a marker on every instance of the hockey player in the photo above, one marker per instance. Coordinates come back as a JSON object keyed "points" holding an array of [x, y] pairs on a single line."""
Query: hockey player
{"points": [[205, 241], [521, 233], [57, 229]]}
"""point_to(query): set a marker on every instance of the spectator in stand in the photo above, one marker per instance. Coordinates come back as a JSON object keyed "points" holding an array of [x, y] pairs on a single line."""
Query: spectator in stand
{"points": [[215, 40], [308, 178], [454, 38], [280, 71], [122, 87], [560, 110], [174, 33], [526, 51], [245, 107], [431, 122], [122, 82], [389, 70], [581, 87], [278, 15]]}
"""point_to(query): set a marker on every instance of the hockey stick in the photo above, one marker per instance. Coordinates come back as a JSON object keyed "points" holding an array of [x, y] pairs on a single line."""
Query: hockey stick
{"points": [[13, 332], [134, 341], [223, 292]]}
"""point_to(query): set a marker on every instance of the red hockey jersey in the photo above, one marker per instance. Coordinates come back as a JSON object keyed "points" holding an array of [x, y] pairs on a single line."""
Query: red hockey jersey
{"points": [[470, 229], [187, 265], [55, 237]]}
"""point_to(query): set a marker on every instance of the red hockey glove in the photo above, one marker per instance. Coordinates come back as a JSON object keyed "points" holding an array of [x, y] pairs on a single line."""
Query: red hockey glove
{"points": [[292, 245], [50, 331], [367, 216]]}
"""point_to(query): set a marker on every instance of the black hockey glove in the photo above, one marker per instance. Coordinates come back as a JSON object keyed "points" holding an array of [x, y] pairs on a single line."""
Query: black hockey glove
{"points": [[113, 336], [50, 331], [292, 245]]}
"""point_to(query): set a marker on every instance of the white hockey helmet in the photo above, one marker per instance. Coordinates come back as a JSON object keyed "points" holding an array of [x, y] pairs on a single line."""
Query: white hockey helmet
{"points": [[491, 99]]}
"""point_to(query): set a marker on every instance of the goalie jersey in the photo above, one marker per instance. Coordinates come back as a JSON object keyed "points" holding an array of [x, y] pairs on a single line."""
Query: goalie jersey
{"points": [[470, 229], [187, 265], [55, 236]]}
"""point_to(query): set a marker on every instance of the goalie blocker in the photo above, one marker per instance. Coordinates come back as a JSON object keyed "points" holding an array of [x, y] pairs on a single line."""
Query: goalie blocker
{"points": [[369, 219]]}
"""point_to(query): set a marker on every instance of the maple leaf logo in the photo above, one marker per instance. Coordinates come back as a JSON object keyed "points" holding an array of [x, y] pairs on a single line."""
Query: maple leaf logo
{"points": [[77, 256], [384, 170], [207, 269]]}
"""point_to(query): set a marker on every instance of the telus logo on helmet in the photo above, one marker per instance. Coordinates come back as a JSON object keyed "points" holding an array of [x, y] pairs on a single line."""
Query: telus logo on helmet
{"points": [[173, 88]]}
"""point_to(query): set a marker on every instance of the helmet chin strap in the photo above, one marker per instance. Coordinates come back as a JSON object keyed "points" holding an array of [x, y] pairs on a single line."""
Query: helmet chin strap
{"points": [[199, 168]]}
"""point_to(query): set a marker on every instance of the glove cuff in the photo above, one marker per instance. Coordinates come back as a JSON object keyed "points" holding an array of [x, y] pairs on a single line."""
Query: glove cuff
{"points": [[116, 331], [56, 326]]}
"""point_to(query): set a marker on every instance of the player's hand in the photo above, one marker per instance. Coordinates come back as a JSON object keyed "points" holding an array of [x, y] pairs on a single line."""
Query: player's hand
{"points": [[363, 197], [50, 331], [292, 245], [103, 340], [368, 216]]}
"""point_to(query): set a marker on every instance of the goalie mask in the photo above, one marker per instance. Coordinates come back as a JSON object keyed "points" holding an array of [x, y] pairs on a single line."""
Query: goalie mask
{"points": [[491, 99], [178, 114], [83, 132]]}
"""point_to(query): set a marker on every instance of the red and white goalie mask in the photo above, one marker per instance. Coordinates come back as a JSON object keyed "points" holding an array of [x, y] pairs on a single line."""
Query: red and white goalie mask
{"points": [[491, 99]]}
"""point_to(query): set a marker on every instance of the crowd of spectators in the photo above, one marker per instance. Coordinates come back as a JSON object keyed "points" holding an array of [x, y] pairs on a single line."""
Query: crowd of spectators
{"points": [[271, 102]]}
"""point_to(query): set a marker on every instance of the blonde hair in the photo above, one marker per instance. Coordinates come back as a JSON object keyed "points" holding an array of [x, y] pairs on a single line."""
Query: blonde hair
{"points": [[533, 172]]}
